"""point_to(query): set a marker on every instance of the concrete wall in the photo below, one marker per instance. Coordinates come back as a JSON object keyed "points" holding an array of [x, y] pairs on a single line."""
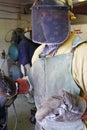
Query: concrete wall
{"points": [[79, 26], [80, 30]]}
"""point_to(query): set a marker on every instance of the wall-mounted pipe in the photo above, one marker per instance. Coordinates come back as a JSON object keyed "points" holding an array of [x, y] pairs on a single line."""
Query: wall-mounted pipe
{"points": [[6, 11], [1, 18], [12, 6]]}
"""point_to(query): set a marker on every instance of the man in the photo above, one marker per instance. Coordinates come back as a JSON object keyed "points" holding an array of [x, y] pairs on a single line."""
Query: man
{"points": [[26, 48], [59, 63]]}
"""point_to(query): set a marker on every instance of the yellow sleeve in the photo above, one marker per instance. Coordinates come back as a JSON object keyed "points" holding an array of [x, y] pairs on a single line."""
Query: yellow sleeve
{"points": [[85, 128], [79, 69], [37, 52]]}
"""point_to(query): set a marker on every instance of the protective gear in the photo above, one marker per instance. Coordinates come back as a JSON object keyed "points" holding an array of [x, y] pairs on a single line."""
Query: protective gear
{"points": [[8, 91], [62, 107], [23, 86], [48, 84], [55, 2], [53, 24], [26, 49]]}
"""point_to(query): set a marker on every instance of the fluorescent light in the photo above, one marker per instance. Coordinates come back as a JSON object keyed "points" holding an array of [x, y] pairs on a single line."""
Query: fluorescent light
{"points": [[81, 0], [77, 1]]}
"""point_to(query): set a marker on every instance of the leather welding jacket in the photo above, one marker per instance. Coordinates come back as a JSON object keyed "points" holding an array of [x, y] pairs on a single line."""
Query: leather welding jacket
{"points": [[26, 49], [70, 74]]}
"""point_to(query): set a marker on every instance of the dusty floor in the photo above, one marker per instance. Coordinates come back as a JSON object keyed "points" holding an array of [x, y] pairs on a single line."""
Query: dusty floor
{"points": [[23, 115]]}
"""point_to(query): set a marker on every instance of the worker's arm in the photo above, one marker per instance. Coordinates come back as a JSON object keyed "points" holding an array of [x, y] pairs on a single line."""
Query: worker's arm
{"points": [[79, 68], [79, 71], [37, 52]]}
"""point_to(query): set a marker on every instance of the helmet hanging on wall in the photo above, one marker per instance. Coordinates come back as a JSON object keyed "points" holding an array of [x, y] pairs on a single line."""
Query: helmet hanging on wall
{"points": [[50, 21]]}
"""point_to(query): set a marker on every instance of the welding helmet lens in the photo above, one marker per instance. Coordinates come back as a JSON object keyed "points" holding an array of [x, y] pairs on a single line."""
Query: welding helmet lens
{"points": [[50, 24]]}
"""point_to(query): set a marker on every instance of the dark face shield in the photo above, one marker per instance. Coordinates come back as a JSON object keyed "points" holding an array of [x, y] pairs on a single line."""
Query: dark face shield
{"points": [[50, 24]]}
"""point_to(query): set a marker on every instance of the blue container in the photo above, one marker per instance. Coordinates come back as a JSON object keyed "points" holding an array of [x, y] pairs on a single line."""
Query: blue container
{"points": [[13, 52]]}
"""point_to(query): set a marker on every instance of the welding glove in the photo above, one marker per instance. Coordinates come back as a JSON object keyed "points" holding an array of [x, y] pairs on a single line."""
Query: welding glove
{"points": [[62, 107]]}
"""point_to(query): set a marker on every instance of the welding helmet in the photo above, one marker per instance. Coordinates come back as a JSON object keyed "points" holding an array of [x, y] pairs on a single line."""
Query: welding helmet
{"points": [[50, 22]]}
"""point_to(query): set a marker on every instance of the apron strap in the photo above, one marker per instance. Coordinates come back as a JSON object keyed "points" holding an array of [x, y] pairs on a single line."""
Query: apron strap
{"points": [[76, 42]]}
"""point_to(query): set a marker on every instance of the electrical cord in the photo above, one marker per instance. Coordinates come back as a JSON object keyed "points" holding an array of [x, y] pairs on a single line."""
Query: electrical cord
{"points": [[16, 119]]}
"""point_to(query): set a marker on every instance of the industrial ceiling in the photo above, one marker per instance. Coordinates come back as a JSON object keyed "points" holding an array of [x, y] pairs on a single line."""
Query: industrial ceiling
{"points": [[80, 6]]}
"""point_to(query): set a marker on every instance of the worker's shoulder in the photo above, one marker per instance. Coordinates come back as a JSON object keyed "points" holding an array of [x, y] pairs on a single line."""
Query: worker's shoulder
{"points": [[82, 48], [39, 49], [82, 45], [37, 52]]}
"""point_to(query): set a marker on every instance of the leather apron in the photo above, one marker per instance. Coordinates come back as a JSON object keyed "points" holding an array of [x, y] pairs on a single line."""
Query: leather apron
{"points": [[48, 76]]}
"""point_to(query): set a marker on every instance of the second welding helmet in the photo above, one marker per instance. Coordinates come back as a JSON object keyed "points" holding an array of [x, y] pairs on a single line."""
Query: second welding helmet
{"points": [[50, 22]]}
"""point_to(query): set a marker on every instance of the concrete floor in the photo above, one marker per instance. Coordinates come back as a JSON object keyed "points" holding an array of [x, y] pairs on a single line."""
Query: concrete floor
{"points": [[23, 113]]}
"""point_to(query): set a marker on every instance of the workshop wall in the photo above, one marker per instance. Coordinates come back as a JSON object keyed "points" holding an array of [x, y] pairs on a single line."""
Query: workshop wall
{"points": [[11, 17], [79, 26]]}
